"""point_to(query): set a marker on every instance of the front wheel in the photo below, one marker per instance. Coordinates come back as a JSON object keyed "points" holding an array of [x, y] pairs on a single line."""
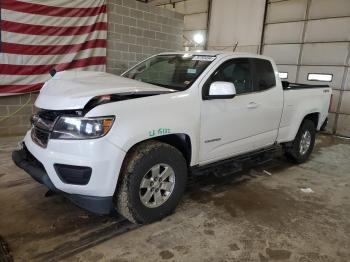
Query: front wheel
{"points": [[299, 150], [152, 181]]}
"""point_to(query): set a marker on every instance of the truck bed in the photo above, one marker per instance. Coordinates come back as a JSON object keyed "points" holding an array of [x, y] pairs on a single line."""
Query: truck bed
{"points": [[292, 86], [301, 100]]}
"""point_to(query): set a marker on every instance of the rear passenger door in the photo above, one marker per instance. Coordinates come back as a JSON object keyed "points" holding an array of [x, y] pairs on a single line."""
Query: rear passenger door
{"points": [[267, 101]]}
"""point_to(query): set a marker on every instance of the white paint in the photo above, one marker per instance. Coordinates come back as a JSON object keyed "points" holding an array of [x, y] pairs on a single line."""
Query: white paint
{"points": [[222, 88], [242, 124], [73, 89]]}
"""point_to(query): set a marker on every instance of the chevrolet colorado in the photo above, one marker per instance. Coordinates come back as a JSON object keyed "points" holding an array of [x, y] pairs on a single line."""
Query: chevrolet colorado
{"points": [[128, 143]]}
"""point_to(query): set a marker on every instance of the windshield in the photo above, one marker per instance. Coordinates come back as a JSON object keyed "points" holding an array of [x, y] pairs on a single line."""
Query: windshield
{"points": [[171, 71]]}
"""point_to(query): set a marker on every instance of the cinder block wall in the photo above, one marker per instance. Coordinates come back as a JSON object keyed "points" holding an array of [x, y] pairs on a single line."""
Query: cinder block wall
{"points": [[135, 31], [19, 123]]}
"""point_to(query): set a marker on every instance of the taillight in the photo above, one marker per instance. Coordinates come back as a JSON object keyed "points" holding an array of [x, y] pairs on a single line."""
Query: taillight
{"points": [[330, 103]]}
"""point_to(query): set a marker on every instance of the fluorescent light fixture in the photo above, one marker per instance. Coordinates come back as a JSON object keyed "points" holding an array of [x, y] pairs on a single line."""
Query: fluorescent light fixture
{"points": [[319, 77], [198, 38], [283, 75]]}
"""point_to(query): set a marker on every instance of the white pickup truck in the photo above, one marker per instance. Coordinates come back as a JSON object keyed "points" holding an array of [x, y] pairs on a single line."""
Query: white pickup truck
{"points": [[128, 143]]}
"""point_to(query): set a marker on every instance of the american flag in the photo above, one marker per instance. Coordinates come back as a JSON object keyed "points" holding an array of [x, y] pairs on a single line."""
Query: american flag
{"points": [[37, 36]]}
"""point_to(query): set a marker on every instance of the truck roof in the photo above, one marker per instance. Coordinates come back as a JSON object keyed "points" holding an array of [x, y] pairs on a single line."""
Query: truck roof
{"points": [[216, 53]]}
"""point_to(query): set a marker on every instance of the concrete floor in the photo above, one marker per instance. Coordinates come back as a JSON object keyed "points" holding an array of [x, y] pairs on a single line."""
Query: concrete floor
{"points": [[251, 216]]}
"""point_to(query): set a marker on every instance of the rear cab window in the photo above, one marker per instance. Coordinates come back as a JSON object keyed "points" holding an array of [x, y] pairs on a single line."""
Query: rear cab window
{"points": [[264, 74], [249, 75]]}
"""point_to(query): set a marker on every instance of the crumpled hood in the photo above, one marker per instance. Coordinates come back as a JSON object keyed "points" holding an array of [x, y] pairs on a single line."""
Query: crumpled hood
{"points": [[73, 89]]}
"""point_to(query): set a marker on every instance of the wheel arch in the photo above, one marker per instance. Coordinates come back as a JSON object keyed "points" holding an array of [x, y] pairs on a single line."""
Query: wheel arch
{"points": [[292, 149], [180, 141], [289, 132], [314, 117]]}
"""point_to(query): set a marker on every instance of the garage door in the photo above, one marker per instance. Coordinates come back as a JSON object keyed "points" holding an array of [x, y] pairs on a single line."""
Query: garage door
{"points": [[310, 41]]}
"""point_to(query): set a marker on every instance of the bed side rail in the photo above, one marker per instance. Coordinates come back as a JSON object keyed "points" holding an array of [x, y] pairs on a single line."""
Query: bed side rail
{"points": [[291, 86]]}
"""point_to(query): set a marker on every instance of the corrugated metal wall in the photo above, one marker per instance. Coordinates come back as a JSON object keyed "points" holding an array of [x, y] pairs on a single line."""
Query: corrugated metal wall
{"points": [[313, 36], [303, 36], [236, 21]]}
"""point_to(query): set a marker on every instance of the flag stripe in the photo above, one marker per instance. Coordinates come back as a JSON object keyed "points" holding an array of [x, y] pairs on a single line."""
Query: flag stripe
{"points": [[10, 89], [23, 79], [37, 36], [35, 77], [40, 9], [46, 20], [15, 59], [29, 29], [43, 40], [20, 88], [51, 49], [44, 69], [69, 3]]}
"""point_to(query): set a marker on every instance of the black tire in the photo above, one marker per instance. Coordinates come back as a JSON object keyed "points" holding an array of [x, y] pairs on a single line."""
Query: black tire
{"points": [[292, 149], [138, 162]]}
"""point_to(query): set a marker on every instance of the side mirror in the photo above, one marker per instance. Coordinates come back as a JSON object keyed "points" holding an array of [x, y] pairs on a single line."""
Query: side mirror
{"points": [[221, 90]]}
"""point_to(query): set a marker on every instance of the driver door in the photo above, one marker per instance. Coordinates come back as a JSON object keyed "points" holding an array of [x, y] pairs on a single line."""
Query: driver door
{"points": [[228, 125]]}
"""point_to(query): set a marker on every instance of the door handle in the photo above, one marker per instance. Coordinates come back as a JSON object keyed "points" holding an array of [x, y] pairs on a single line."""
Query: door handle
{"points": [[252, 105]]}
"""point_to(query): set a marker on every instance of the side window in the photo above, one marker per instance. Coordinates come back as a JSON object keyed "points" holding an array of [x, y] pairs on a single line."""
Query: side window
{"points": [[236, 71], [265, 76]]}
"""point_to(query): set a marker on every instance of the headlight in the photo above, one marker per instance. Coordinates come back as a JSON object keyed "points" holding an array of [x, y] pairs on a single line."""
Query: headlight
{"points": [[81, 127]]}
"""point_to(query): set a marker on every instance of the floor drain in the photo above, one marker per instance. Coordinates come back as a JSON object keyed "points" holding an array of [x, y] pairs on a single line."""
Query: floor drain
{"points": [[5, 255]]}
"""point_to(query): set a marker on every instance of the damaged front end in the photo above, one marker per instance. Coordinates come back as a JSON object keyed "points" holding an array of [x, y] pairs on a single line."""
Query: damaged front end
{"points": [[105, 99]]}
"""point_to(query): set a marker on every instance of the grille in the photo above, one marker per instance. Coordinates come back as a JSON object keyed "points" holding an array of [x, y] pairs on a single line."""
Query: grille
{"points": [[48, 115], [40, 137]]}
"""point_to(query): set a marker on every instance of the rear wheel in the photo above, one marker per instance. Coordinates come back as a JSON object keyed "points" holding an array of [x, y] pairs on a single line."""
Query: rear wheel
{"points": [[152, 181], [299, 150]]}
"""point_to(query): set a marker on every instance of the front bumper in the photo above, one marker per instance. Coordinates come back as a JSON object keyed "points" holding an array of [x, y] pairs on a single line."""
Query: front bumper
{"points": [[25, 160], [102, 157]]}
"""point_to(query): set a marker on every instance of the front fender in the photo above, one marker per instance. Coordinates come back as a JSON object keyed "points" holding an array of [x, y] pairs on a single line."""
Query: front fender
{"points": [[149, 117]]}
